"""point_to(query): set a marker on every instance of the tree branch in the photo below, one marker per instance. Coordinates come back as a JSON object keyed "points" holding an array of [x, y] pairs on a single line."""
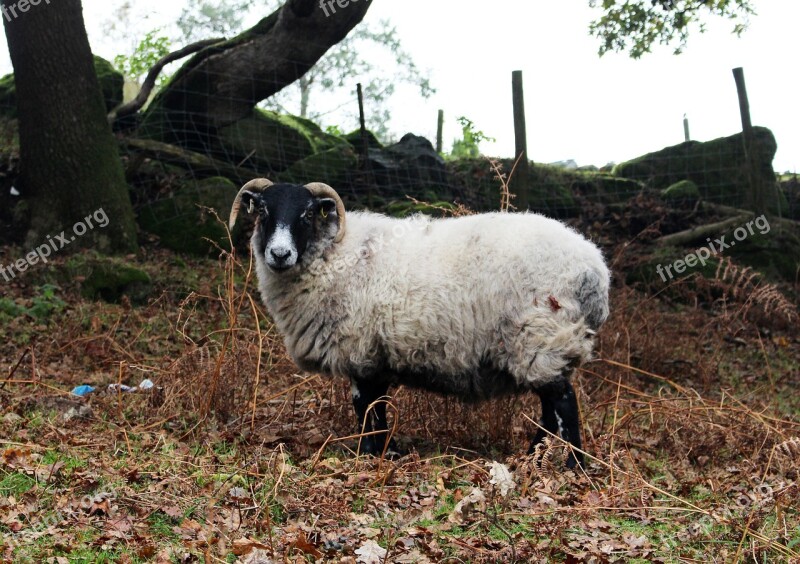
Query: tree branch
{"points": [[222, 84], [190, 159], [150, 81]]}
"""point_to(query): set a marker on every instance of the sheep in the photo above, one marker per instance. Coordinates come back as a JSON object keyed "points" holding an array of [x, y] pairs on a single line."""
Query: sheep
{"points": [[477, 306]]}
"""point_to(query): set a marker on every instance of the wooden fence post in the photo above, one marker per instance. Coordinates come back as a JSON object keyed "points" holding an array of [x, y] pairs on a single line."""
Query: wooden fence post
{"points": [[364, 144], [520, 179], [439, 131], [755, 193], [686, 136]]}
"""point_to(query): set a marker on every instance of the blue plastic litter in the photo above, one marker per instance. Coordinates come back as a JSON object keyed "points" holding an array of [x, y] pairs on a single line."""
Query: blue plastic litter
{"points": [[85, 389], [82, 390]]}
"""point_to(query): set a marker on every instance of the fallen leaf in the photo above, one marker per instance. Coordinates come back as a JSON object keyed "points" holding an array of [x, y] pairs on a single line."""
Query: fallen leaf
{"points": [[502, 478], [245, 545], [371, 553], [171, 511], [475, 501], [302, 544]]}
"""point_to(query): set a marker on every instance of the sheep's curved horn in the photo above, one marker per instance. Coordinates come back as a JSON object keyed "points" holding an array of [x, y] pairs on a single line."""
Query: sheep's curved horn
{"points": [[321, 190], [255, 185]]}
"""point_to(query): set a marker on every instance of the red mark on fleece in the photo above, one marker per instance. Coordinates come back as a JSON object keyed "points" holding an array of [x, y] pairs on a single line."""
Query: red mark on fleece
{"points": [[554, 305]]}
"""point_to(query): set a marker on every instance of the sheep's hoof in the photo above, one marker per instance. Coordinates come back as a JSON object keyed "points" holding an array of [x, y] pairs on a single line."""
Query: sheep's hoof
{"points": [[374, 447], [575, 459]]}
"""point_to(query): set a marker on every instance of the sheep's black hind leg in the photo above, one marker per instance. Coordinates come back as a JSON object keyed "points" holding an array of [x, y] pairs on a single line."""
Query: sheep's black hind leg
{"points": [[560, 417], [364, 393]]}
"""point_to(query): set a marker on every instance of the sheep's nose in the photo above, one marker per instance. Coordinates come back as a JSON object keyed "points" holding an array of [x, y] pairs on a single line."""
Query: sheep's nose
{"points": [[280, 254]]}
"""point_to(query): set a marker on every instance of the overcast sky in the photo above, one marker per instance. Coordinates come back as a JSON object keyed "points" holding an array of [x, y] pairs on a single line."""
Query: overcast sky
{"points": [[593, 110]]}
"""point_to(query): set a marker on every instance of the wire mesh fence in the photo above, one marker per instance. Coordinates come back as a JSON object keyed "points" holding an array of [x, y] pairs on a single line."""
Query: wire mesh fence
{"points": [[193, 144]]}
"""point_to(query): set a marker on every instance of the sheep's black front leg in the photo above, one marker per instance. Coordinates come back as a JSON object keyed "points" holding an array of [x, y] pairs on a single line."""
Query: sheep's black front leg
{"points": [[364, 393], [560, 417]]}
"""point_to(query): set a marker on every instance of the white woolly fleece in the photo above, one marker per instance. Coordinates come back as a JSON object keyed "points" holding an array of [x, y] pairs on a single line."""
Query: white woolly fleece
{"points": [[520, 293]]}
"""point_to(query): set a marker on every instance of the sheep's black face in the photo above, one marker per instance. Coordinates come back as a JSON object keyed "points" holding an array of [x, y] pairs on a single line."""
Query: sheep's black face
{"points": [[290, 219]]}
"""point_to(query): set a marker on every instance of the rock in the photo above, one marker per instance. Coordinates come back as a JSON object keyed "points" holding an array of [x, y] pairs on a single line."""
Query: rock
{"points": [[791, 189], [774, 252], [67, 409], [111, 83], [553, 190], [331, 167], [354, 138], [12, 418], [274, 141], [108, 278], [182, 223], [408, 167], [716, 167], [403, 208], [8, 96], [682, 192]]}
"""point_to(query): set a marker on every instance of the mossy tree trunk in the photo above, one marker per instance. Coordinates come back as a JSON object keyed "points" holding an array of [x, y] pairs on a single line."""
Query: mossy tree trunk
{"points": [[224, 82], [70, 165]]}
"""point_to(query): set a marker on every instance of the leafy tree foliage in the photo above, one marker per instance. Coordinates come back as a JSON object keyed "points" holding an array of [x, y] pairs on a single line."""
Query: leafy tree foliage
{"points": [[636, 25], [468, 146], [153, 47]]}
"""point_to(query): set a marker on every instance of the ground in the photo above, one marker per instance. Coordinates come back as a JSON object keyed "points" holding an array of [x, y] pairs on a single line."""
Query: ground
{"points": [[691, 422]]}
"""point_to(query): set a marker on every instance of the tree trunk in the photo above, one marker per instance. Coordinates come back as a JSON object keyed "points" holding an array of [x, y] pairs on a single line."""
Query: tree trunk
{"points": [[224, 82], [305, 92], [70, 165]]}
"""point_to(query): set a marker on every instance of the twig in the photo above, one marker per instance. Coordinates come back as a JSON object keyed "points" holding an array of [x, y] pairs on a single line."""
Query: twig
{"points": [[14, 369]]}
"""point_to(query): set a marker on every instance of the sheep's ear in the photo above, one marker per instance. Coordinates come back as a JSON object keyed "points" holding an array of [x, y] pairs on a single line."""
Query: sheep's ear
{"points": [[327, 206], [249, 201]]}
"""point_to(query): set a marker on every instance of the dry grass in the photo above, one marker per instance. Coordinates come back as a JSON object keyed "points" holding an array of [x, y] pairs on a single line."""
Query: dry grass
{"points": [[691, 427]]}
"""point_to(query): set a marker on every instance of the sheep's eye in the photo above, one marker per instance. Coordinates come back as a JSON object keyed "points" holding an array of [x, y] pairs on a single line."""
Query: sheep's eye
{"points": [[323, 212]]}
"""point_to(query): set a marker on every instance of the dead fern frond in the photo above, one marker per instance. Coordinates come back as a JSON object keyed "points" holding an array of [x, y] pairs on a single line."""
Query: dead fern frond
{"points": [[505, 179], [746, 285], [542, 458], [790, 449]]}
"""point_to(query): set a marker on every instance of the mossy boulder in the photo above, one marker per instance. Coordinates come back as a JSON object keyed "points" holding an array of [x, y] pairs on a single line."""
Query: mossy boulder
{"points": [[682, 192], [111, 83], [790, 186], [553, 190], [8, 96], [717, 167], [354, 138], [403, 208], [331, 167], [108, 278], [659, 268], [773, 249], [182, 221], [274, 141], [774, 252], [409, 167]]}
